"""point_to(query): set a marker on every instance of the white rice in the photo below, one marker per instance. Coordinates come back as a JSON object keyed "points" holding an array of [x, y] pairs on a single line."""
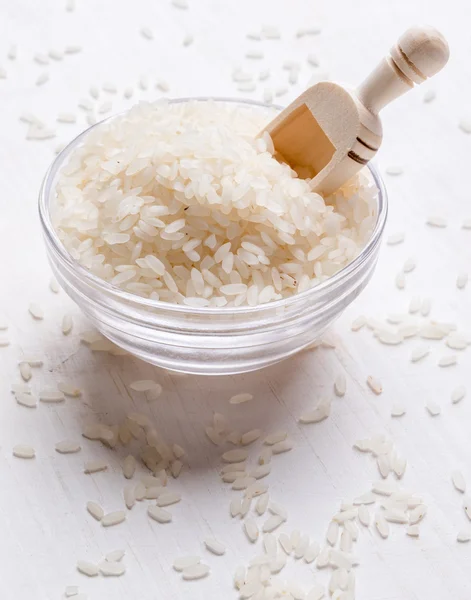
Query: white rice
{"points": [[399, 464], [332, 533], [467, 506], [69, 389], [12, 52], [301, 547], [462, 281], [459, 482], [285, 543], [20, 388], [183, 4], [281, 91], [271, 33], [364, 515], [168, 498], [409, 265], [281, 447], [159, 514], [240, 398], [24, 451], [26, 399], [261, 504], [66, 118], [195, 571], [73, 49], [109, 87], [358, 323], [215, 546], [323, 558], [311, 553], [394, 170], [235, 507], [95, 510], [94, 466], [274, 438], [25, 371], [251, 530], [242, 483], [261, 471], [458, 394], [463, 536], [250, 436], [413, 531], [448, 361], [105, 107], [129, 466], [308, 31], [51, 395], [113, 518], [426, 306], [112, 568], [340, 385], [67, 447], [184, 562], [129, 495], [313, 60], [465, 125], [398, 410], [213, 436], [144, 385], [429, 96], [254, 54], [87, 568], [417, 514], [147, 33], [67, 324], [419, 353], [384, 488], [163, 86], [71, 590], [36, 311], [42, 79], [268, 96], [318, 414], [400, 281], [435, 221], [41, 59], [115, 555], [375, 385], [199, 204], [381, 525]]}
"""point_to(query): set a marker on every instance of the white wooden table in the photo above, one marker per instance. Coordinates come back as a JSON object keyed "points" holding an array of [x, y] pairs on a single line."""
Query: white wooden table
{"points": [[44, 527]]}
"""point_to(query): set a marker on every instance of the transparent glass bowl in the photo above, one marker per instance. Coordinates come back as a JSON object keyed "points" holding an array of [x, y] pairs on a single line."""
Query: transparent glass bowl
{"points": [[207, 341]]}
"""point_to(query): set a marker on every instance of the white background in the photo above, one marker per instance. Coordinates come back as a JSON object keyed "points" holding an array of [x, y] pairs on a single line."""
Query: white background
{"points": [[44, 527]]}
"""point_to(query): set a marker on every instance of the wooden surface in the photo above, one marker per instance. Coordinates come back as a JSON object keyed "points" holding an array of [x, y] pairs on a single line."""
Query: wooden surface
{"points": [[45, 528]]}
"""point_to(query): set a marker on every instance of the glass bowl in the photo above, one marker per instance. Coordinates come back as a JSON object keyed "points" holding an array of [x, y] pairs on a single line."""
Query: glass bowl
{"points": [[207, 341]]}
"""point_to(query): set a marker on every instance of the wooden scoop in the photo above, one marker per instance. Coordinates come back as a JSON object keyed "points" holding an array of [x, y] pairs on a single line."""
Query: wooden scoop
{"points": [[329, 133]]}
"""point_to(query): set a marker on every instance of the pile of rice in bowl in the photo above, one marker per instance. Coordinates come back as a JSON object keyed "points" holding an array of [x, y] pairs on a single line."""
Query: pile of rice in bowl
{"points": [[185, 203]]}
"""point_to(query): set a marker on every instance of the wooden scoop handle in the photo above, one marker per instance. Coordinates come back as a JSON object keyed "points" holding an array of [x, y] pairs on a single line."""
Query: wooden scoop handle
{"points": [[419, 53]]}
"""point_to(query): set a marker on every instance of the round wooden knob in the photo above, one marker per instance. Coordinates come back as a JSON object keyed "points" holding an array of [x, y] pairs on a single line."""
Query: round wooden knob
{"points": [[420, 52]]}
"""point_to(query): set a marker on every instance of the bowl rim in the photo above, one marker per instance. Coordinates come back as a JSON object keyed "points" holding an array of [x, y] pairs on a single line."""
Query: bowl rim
{"points": [[45, 195]]}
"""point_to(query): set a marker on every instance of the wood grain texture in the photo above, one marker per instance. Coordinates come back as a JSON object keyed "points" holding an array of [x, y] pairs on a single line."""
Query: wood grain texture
{"points": [[45, 525]]}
